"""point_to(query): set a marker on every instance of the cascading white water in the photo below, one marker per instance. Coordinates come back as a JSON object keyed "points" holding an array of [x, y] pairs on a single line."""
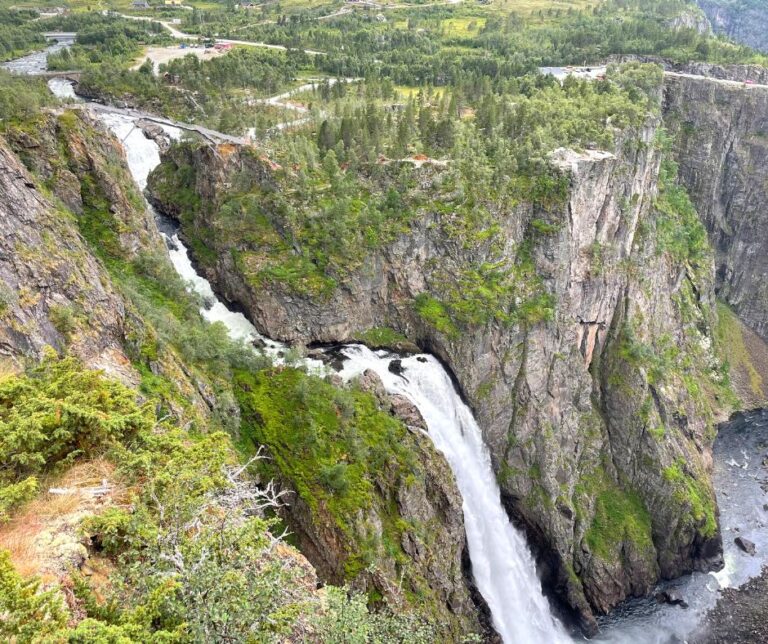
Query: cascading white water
{"points": [[502, 565], [143, 156], [501, 562]]}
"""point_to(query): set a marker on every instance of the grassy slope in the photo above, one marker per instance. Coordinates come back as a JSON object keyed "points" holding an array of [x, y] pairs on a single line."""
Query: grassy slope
{"points": [[747, 355]]}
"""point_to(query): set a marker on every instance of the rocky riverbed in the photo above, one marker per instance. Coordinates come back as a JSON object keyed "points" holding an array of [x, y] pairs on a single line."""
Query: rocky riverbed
{"points": [[729, 605], [739, 617], [740, 613]]}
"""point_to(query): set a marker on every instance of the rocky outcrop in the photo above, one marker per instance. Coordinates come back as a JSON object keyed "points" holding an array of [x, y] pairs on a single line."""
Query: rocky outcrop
{"points": [[693, 19], [67, 253], [52, 291], [84, 166], [66, 282], [741, 20], [155, 132], [397, 534], [720, 132], [587, 431]]}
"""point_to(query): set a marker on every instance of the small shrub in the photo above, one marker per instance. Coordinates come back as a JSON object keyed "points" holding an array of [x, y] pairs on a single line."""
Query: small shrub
{"points": [[346, 619], [379, 337], [434, 313], [14, 494], [55, 413], [334, 477], [29, 614], [7, 299], [63, 319], [544, 227]]}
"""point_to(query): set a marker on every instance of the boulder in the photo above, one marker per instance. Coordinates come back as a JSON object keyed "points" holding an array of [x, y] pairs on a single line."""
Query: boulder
{"points": [[672, 597], [406, 411], [369, 381], [745, 544], [396, 367]]}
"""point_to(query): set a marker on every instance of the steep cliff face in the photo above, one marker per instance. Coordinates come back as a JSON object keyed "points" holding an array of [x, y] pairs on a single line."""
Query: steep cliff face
{"points": [[77, 258], [78, 267], [691, 18], [71, 265], [599, 446], [720, 131], [52, 292], [741, 20], [407, 544], [84, 166]]}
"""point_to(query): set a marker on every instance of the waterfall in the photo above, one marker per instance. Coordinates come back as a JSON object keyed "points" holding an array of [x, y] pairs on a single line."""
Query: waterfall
{"points": [[502, 565], [143, 155]]}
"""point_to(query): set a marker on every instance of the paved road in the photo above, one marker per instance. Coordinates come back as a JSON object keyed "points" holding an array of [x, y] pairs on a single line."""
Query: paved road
{"points": [[598, 70], [280, 100], [180, 35], [721, 81]]}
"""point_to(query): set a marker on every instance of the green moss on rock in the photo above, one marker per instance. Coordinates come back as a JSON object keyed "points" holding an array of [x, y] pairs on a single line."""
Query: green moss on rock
{"points": [[620, 517], [330, 444], [695, 495]]}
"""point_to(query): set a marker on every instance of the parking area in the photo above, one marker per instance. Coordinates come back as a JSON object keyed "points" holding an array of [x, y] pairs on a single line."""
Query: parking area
{"points": [[160, 55]]}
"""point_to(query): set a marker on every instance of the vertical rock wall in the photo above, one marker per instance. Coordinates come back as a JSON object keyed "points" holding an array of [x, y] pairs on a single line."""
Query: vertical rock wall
{"points": [[720, 132], [597, 454]]}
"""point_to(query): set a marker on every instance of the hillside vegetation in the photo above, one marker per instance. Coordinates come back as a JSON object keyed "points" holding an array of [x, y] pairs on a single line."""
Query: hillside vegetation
{"points": [[405, 176]]}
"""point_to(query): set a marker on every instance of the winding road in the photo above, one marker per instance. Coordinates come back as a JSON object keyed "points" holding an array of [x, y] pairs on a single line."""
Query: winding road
{"points": [[180, 35], [280, 100]]}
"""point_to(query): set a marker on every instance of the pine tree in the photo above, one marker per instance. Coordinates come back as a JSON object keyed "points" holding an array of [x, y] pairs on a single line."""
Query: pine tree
{"points": [[347, 132], [326, 137]]}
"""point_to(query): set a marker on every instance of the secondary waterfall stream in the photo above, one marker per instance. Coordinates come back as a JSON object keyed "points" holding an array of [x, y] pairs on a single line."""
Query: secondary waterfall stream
{"points": [[37, 62], [501, 563], [143, 155]]}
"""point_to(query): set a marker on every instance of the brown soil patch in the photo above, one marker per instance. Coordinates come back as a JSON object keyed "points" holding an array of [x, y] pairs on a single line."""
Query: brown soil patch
{"points": [[44, 538]]}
